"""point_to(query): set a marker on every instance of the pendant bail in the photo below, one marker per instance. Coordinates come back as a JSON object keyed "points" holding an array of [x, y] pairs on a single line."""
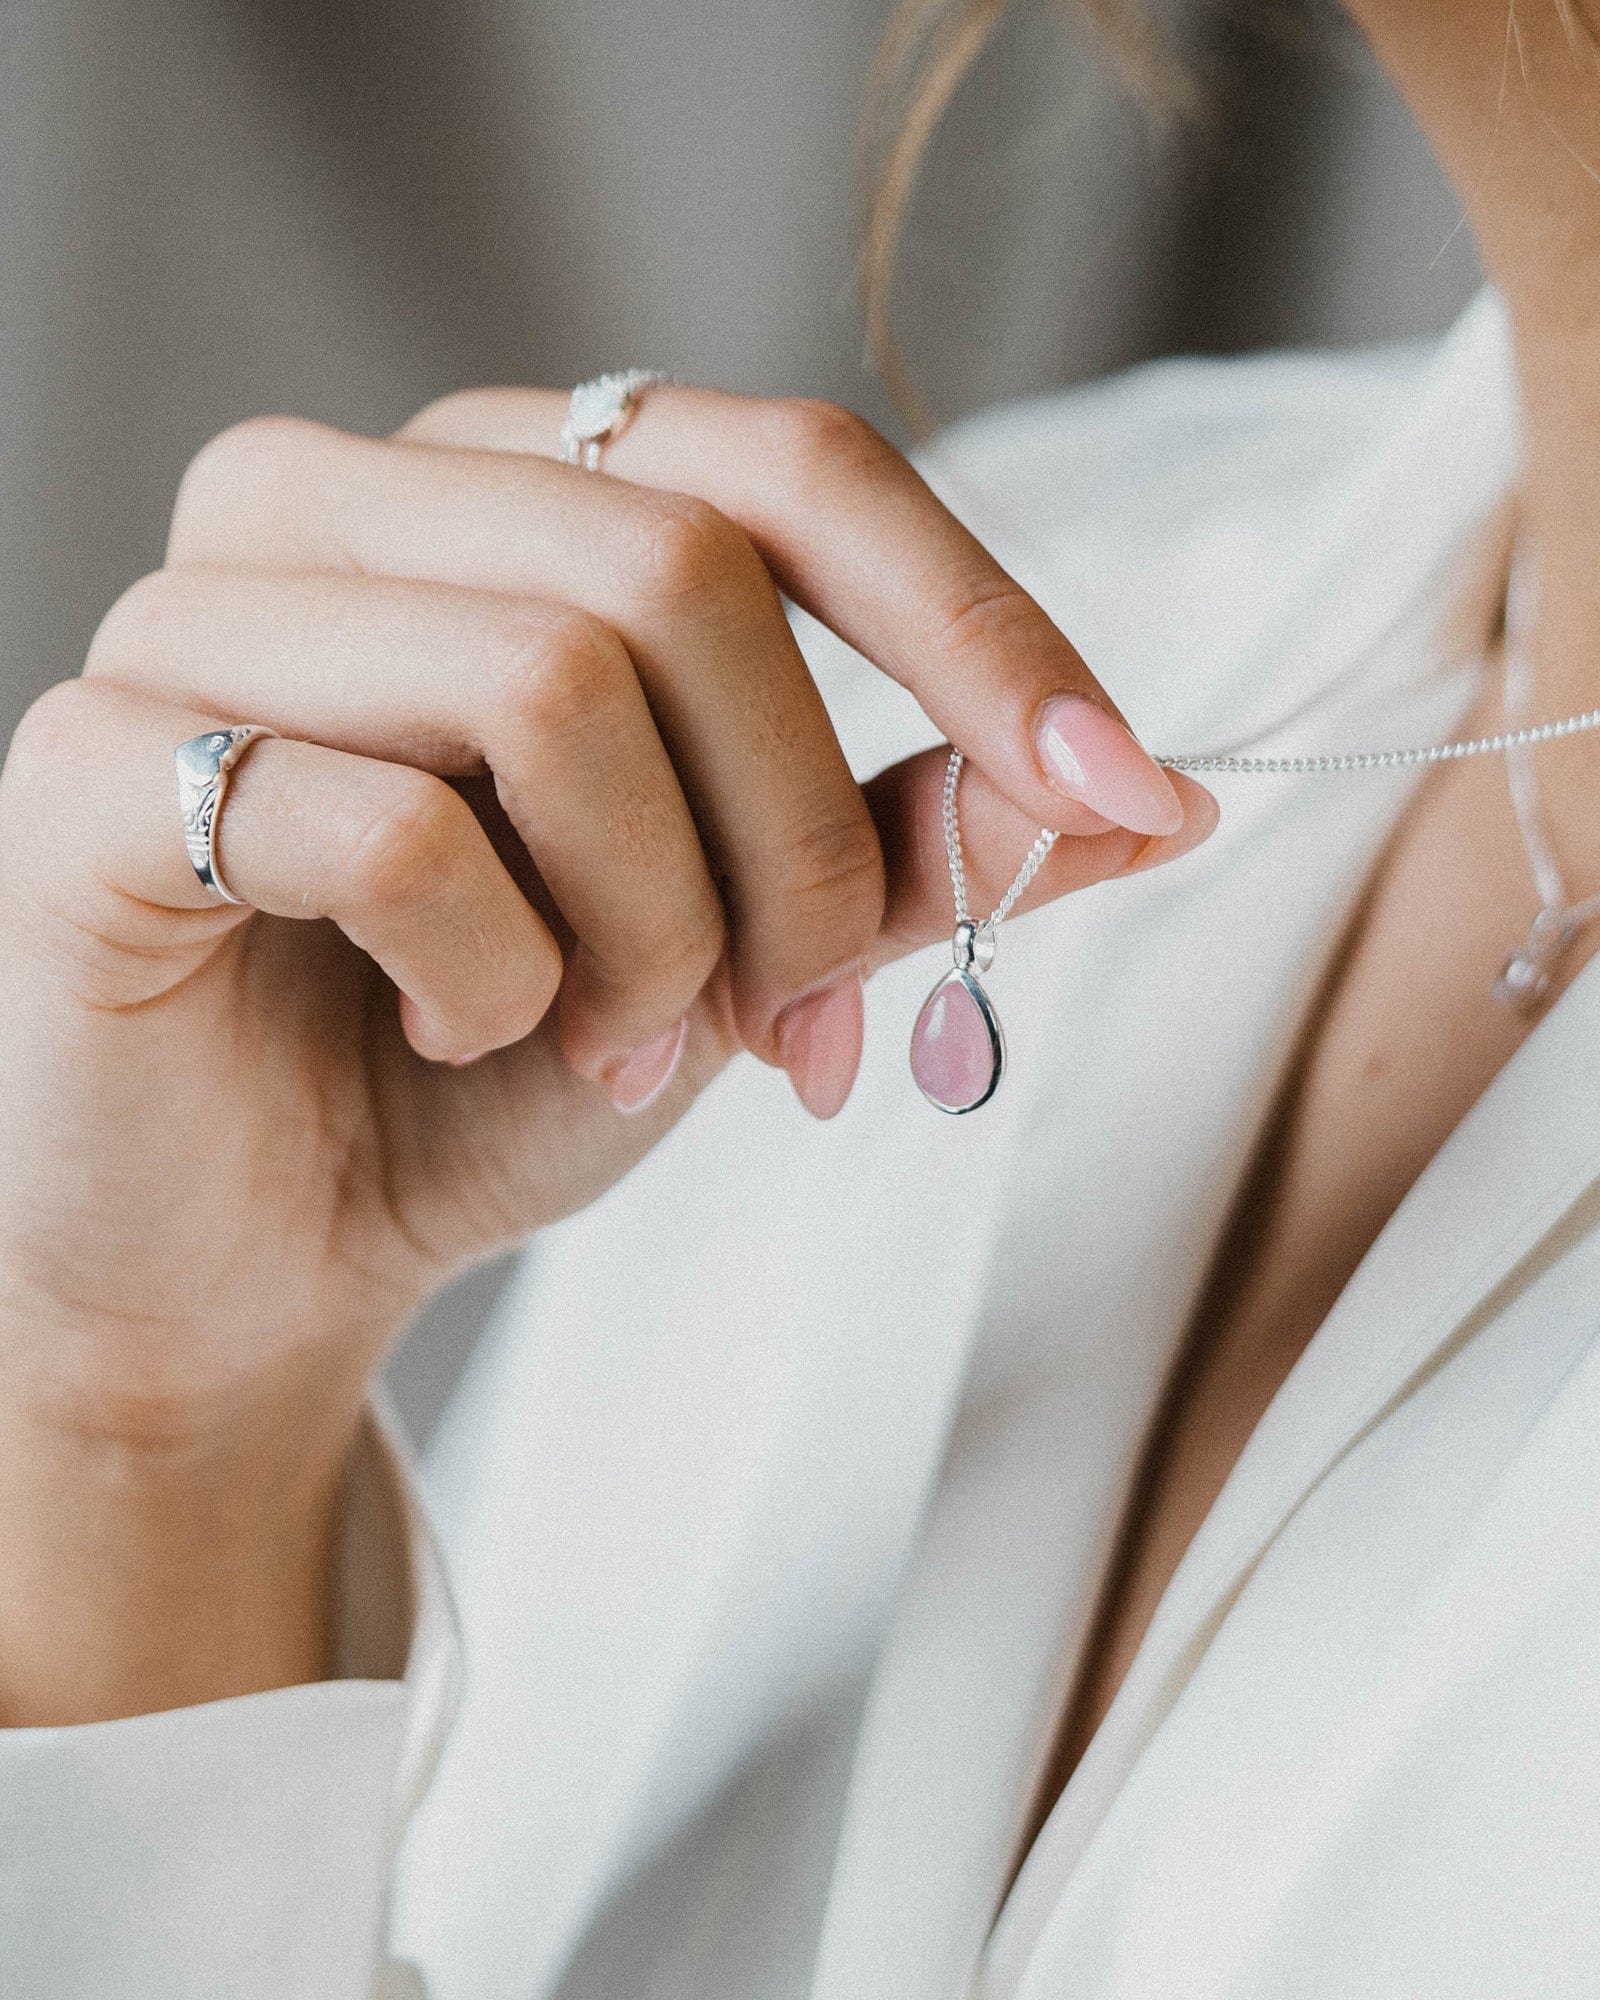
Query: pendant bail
{"points": [[973, 946]]}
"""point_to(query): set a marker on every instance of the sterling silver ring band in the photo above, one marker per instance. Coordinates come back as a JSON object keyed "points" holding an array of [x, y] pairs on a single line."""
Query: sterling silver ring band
{"points": [[598, 411], [204, 763]]}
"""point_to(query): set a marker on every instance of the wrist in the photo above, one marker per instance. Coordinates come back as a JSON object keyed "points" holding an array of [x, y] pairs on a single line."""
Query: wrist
{"points": [[162, 1565]]}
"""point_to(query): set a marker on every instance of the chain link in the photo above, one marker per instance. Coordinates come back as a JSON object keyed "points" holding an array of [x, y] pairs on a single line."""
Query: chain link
{"points": [[958, 873], [1384, 760], [1352, 760]]}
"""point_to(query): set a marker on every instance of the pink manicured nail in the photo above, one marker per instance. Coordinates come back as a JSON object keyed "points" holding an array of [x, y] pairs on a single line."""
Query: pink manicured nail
{"points": [[1091, 757], [642, 1075], [819, 1041]]}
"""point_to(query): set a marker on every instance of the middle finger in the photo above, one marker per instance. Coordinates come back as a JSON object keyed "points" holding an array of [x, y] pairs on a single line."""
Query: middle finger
{"points": [[786, 828]]}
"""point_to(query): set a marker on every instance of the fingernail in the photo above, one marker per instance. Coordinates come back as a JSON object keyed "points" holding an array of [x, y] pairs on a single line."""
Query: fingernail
{"points": [[819, 1044], [1091, 757], [641, 1076]]}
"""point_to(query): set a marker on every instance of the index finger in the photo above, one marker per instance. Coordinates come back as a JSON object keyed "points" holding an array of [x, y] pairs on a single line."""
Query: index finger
{"points": [[855, 535]]}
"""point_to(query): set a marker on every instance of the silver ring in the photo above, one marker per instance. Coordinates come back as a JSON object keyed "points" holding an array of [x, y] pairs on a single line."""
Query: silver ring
{"points": [[204, 763], [598, 411]]}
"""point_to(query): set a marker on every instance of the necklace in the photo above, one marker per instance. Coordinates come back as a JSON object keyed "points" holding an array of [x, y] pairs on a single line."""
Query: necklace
{"points": [[1529, 973], [958, 1049]]}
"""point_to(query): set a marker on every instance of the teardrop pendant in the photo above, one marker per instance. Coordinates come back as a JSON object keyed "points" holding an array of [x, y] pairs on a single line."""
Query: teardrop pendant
{"points": [[958, 1052]]}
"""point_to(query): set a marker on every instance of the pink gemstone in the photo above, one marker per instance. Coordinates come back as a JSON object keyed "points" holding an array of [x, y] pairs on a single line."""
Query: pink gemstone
{"points": [[955, 1047]]}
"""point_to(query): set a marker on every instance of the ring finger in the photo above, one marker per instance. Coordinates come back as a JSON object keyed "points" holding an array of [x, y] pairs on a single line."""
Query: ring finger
{"points": [[390, 854], [453, 682]]}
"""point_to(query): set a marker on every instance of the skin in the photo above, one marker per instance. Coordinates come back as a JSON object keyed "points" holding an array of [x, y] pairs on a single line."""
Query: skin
{"points": [[555, 802], [237, 1149], [1406, 1036]]}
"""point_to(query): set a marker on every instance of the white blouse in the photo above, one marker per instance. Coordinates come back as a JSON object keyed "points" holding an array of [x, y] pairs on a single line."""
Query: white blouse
{"points": [[775, 1506]]}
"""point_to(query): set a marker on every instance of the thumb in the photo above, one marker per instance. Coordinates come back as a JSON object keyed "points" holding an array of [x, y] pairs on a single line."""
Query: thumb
{"points": [[907, 805]]}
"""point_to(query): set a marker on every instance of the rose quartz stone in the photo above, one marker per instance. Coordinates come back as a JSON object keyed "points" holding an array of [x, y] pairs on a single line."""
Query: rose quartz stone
{"points": [[952, 1052]]}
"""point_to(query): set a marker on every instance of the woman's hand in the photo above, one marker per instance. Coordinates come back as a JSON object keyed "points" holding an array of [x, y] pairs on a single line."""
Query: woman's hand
{"points": [[556, 824]]}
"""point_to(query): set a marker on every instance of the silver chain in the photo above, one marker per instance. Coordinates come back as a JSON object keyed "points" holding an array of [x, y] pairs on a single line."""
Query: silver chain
{"points": [[958, 872], [1352, 760], [1387, 760]]}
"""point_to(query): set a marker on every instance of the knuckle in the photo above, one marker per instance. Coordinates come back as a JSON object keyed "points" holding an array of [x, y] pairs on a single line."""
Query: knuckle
{"points": [[991, 613], [48, 741], [692, 553], [403, 850], [551, 673], [836, 883], [248, 451], [245, 459], [125, 634], [814, 440]]}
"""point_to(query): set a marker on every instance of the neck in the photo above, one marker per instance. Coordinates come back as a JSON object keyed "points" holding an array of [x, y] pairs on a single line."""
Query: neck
{"points": [[1508, 91]]}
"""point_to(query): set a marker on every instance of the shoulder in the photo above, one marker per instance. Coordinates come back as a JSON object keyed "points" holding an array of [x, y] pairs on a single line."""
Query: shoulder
{"points": [[1156, 443]]}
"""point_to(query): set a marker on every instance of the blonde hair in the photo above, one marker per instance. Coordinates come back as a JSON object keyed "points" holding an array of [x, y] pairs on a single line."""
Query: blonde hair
{"points": [[926, 50]]}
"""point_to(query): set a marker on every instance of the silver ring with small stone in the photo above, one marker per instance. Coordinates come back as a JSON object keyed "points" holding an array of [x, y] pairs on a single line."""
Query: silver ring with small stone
{"points": [[204, 764], [600, 410]]}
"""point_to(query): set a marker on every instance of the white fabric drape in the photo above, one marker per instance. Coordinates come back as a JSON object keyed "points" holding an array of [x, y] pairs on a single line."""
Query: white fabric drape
{"points": [[776, 1503]]}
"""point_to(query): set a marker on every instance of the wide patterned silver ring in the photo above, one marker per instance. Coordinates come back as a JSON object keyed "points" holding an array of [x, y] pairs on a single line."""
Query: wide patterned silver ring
{"points": [[204, 763], [598, 411]]}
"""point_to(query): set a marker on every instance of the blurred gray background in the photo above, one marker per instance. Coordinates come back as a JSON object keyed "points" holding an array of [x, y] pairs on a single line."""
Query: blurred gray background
{"points": [[216, 207]]}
